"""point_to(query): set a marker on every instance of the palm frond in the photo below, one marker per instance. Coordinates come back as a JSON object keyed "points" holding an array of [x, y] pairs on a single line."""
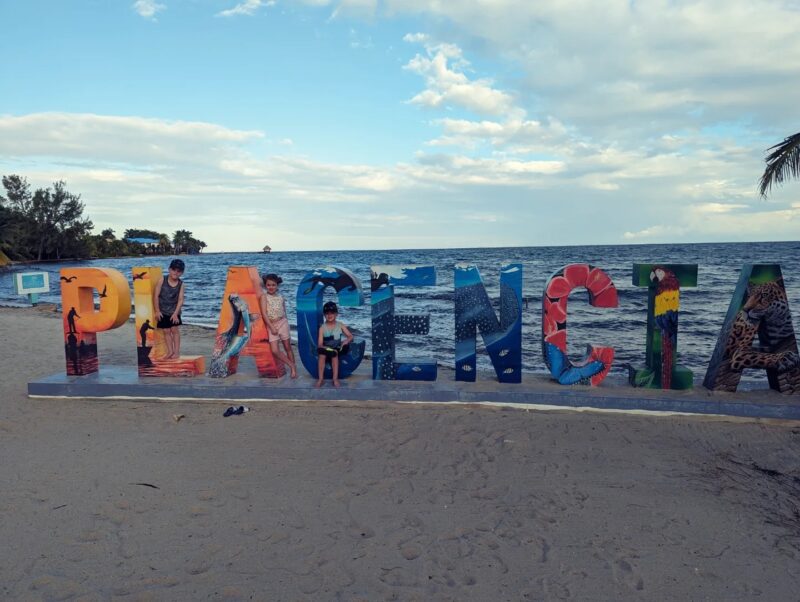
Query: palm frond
{"points": [[782, 163]]}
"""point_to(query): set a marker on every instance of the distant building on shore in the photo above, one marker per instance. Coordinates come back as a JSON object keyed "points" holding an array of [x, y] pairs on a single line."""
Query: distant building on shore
{"points": [[149, 243], [267, 249]]}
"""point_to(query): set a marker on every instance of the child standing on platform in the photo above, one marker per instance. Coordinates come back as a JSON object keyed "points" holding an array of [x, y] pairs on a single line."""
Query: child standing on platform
{"points": [[330, 344], [167, 303], [273, 311]]}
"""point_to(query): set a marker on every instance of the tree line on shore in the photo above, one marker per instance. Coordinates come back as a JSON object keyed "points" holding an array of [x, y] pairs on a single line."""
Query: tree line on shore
{"points": [[49, 223]]}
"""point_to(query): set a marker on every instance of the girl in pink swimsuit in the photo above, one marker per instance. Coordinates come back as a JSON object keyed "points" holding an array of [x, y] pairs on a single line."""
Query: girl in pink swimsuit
{"points": [[273, 312]]}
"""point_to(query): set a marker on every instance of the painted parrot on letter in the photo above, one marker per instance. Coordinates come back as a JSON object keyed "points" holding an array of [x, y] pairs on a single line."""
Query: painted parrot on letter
{"points": [[667, 303]]}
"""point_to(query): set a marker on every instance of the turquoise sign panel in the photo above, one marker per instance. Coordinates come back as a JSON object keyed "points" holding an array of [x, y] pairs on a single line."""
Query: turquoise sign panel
{"points": [[27, 283]]}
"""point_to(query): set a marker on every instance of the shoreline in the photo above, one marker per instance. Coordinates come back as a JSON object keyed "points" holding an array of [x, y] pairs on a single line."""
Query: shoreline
{"points": [[13, 262]]}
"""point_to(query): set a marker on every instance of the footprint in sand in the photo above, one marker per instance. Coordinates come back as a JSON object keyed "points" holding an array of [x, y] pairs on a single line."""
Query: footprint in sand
{"points": [[398, 577], [50, 587], [206, 495], [625, 573], [554, 589], [357, 531]]}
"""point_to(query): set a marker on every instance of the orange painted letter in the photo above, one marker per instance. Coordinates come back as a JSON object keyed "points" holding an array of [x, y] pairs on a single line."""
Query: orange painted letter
{"points": [[245, 282], [82, 321], [150, 345]]}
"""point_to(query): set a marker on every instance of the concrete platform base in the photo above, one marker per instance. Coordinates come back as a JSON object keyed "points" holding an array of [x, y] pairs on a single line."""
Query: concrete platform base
{"points": [[123, 382]]}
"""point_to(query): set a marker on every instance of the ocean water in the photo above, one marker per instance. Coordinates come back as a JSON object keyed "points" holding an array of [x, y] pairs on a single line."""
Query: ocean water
{"points": [[702, 309]]}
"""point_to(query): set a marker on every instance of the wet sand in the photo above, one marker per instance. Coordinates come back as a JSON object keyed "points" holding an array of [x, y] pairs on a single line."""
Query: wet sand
{"points": [[379, 501]]}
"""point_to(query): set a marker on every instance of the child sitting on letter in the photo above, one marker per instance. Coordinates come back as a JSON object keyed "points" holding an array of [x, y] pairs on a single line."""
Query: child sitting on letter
{"points": [[330, 344]]}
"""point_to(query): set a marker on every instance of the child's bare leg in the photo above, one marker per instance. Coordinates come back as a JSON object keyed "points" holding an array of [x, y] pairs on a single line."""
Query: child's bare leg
{"points": [[176, 342], [335, 368], [273, 345], [172, 346], [287, 345], [168, 343], [320, 370]]}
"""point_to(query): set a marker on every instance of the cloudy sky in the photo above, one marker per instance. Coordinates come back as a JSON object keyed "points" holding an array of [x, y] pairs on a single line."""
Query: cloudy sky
{"points": [[360, 124]]}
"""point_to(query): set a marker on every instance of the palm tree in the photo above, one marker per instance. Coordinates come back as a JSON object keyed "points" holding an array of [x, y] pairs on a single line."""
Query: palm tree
{"points": [[164, 244], [782, 163]]}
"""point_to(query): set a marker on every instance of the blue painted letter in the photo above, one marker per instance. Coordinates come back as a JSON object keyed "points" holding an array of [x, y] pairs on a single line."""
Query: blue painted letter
{"points": [[309, 316], [385, 324], [503, 338]]}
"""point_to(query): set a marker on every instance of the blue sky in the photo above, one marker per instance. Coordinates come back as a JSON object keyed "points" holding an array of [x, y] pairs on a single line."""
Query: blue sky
{"points": [[325, 124]]}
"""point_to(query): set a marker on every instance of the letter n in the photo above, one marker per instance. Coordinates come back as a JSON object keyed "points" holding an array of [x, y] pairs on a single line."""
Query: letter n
{"points": [[503, 337]]}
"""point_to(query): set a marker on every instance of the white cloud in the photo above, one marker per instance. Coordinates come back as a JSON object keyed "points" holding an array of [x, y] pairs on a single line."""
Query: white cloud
{"points": [[148, 8], [134, 140], [248, 7], [658, 233], [447, 84], [714, 209], [460, 170], [229, 190], [521, 136], [633, 68], [722, 221]]}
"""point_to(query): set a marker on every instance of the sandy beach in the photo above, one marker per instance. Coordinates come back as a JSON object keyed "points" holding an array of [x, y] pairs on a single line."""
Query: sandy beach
{"points": [[379, 501]]}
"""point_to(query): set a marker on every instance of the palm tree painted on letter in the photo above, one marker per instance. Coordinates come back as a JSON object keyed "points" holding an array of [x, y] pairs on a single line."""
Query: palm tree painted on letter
{"points": [[783, 162]]}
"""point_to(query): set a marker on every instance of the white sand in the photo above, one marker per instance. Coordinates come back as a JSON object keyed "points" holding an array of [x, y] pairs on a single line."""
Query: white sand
{"points": [[379, 501]]}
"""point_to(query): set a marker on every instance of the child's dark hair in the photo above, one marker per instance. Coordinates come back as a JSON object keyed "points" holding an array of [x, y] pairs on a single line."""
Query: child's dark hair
{"points": [[177, 264], [330, 308], [274, 277]]}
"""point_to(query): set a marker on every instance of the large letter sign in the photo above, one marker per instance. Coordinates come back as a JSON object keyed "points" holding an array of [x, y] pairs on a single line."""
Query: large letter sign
{"points": [[663, 282], [309, 316], [759, 306], [150, 344], [82, 322], [386, 325], [244, 284], [594, 367], [503, 337]]}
